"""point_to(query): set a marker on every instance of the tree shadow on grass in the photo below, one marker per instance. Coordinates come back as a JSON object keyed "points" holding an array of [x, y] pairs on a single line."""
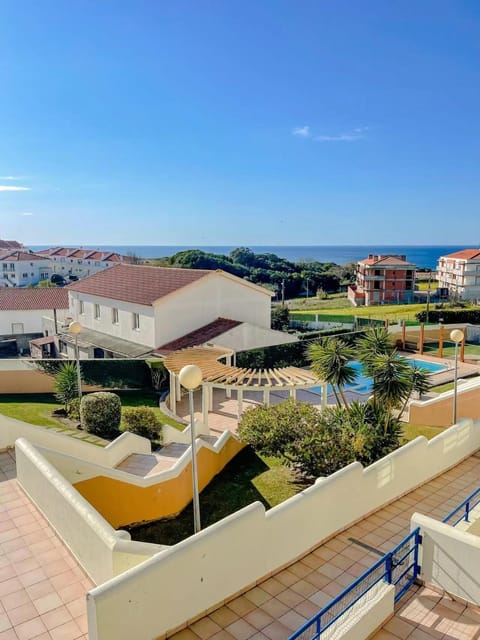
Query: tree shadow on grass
{"points": [[229, 491]]}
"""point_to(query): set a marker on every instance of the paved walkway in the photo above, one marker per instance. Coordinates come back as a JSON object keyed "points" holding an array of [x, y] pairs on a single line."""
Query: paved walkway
{"points": [[276, 607], [42, 587]]}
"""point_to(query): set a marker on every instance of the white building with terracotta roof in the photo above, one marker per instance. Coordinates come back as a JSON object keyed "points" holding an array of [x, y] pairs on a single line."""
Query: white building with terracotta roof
{"points": [[22, 312], [20, 268], [130, 311], [383, 279], [77, 262], [459, 272]]}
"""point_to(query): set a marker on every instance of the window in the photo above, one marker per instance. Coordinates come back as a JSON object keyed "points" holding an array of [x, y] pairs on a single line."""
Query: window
{"points": [[135, 321], [114, 316], [25, 275], [12, 266], [17, 327], [81, 307], [96, 312]]}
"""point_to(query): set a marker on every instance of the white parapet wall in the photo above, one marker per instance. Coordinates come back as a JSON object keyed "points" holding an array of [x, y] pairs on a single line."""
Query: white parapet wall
{"points": [[367, 615], [240, 550], [449, 558], [111, 455], [101, 550]]}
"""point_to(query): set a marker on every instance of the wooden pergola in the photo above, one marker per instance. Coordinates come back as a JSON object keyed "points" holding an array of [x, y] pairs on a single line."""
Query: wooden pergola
{"points": [[225, 375]]}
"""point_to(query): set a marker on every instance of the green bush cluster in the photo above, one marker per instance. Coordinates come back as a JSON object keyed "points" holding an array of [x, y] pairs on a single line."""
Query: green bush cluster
{"points": [[319, 443], [100, 414], [144, 422]]}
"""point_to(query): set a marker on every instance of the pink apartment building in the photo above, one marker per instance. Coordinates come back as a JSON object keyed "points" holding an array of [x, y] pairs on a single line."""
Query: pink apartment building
{"points": [[383, 279]]}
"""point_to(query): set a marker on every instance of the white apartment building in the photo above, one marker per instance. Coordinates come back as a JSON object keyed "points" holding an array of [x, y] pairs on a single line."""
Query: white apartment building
{"points": [[20, 268], [80, 262], [459, 272], [130, 311]]}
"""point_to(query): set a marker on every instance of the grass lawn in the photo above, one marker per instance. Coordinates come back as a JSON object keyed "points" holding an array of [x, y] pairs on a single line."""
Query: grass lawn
{"points": [[442, 388], [410, 431], [391, 311], [37, 408], [247, 478]]}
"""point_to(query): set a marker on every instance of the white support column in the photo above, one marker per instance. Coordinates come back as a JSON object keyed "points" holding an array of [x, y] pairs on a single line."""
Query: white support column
{"points": [[293, 394], [228, 393], [228, 360], [324, 394], [173, 393], [234, 359], [240, 402], [266, 397], [179, 388], [210, 397], [205, 405]]}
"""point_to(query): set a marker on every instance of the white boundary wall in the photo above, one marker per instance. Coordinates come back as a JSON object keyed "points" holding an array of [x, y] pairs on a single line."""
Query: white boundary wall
{"points": [[449, 558], [235, 553], [111, 455], [101, 550]]}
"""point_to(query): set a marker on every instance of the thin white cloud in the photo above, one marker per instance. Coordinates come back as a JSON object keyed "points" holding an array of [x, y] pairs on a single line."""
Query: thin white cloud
{"points": [[4, 187], [26, 213], [343, 137], [302, 132], [12, 177], [350, 136]]}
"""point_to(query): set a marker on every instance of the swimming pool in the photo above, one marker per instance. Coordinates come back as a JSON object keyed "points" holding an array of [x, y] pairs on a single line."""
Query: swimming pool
{"points": [[364, 384]]}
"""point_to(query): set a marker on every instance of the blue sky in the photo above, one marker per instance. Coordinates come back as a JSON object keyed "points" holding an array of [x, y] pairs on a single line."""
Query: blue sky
{"points": [[240, 122]]}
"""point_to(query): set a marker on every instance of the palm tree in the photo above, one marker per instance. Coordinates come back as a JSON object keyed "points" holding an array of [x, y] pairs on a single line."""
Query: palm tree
{"points": [[330, 361], [419, 382], [391, 382], [376, 341]]}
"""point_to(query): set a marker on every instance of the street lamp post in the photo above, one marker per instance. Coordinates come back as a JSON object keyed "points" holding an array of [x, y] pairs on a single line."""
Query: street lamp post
{"points": [[75, 328], [456, 336], [190, 377]]}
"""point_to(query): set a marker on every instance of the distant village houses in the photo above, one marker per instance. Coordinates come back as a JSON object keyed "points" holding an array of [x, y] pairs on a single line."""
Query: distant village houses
{"points": [[459, 272]]}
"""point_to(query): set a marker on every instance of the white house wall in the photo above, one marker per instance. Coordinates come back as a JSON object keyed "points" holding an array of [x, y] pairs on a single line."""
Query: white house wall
{"points": [[145, 334], [25, 321], [22, 273], [207, 299]]}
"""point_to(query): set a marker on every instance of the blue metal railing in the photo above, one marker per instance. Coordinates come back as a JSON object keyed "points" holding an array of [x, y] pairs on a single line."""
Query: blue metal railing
{"points": [[397, 567], [464, 509]]}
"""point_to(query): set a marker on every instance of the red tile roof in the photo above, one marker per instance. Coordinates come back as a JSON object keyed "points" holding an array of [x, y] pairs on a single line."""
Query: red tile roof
{"points": [[13, 299], [17, 256], [137, 284], [466, 254], [200, 336], [386, 260], [11, 244], [84, 254]]}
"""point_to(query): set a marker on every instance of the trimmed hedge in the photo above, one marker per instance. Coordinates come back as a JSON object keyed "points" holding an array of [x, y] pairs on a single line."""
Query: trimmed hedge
{"points": [[108, 373], [450, 316], [100, 414], [285, 355]]}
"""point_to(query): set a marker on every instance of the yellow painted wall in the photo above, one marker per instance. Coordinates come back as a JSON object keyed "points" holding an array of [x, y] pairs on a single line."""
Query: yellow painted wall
{"points": [[439, 414], [122, 503]]}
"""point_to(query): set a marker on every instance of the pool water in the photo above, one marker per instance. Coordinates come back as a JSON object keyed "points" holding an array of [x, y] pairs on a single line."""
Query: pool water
{"points": [[364, 384]]}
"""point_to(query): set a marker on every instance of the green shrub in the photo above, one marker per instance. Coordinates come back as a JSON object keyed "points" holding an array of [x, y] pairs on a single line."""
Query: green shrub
{"points": [[144, 422], [318, 443], [100, 413], [66, 387], [73, 410]]}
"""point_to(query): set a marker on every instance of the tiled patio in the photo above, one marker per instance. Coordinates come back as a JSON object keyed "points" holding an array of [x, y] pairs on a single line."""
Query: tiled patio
{"points": [[42, 587], [276, 607]]}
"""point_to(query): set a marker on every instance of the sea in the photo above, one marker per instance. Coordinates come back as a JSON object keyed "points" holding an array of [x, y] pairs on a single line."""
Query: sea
{"points": [[424, 256]]}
